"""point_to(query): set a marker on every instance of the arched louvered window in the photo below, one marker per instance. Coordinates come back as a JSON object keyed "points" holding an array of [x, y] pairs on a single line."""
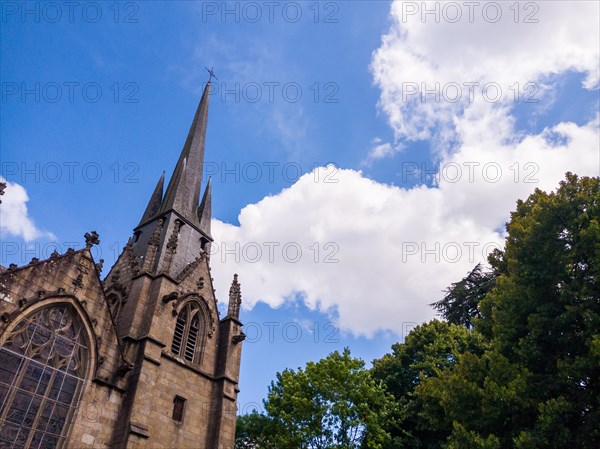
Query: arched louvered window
{"points": [[43, 364], [187, 336], [115, 304]]}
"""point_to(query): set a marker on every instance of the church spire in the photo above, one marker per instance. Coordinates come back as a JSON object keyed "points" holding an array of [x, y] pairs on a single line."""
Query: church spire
{"points": [[204, 210], [183, 191], [155, 201], [175, 228]]}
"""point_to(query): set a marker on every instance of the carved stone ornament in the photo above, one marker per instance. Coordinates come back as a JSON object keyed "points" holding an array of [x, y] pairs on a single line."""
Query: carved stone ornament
{"points": [[91, 239]]}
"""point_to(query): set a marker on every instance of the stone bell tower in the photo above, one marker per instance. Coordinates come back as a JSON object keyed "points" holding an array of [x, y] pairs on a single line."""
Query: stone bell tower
{"points": [[183, 380]]}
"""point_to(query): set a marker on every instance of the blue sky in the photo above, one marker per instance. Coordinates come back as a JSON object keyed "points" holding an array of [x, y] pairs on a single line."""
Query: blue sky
{"points": [[95, 107]]}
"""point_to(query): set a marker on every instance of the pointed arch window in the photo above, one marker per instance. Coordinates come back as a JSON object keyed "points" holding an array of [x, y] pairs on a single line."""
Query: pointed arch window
{"points": [[43, 365], [187, 336], [115, 303]]}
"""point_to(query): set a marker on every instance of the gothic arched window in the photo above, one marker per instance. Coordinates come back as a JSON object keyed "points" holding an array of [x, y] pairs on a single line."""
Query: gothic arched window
{"points": [[187, 336], [43, 364], [115, 304]]}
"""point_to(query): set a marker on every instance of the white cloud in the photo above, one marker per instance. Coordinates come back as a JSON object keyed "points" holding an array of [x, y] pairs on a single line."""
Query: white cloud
{"points": [[394, 249], [419, 52], [14, 218], [397, 246], [381, 150], [363, 228]]}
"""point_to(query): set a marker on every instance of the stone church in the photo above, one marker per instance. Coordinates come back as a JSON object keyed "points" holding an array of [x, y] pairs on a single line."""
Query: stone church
{"points": [[141, 359]]}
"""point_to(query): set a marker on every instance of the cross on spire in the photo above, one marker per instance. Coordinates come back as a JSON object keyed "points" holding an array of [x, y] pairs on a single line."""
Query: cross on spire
{"points": [[211, 74]]}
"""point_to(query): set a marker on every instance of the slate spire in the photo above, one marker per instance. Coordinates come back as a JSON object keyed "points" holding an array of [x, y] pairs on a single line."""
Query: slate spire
{"points": [[204, 210], [155, 201], [183, 191]]}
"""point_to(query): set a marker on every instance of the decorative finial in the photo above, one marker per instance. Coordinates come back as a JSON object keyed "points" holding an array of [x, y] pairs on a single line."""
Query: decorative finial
{"points": [[91, 239], [235, 298], [211, 74]]}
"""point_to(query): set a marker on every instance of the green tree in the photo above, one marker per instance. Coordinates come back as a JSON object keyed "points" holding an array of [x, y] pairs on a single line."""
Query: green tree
{"points": [[333, 403], [460, 305], [429, 349], [461, 438], [545, 312], [254, 431], [537, 386], [481, 396]]}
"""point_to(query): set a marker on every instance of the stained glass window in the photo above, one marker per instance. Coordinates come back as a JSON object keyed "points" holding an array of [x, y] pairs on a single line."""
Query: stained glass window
{"points": [[43, 364]]}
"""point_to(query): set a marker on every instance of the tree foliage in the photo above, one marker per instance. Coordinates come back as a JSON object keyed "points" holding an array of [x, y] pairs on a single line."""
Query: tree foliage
{"points": [[544, 314], [460, 305], [538, 384], [428, 350], [254, 431], [332, 403]]}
